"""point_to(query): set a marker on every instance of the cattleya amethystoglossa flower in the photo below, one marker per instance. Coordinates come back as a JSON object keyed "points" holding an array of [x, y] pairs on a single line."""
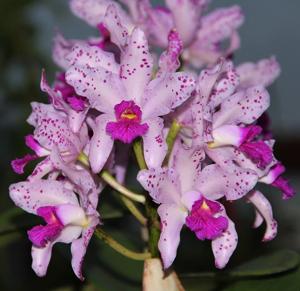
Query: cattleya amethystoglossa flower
{"points": [[66, 221], [130, 102], [51, 129], [199, 141], [202, 36], [187, 194]]}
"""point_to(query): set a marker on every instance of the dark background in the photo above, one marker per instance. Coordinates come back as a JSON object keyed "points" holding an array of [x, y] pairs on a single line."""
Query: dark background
{"points": [[26, 31]]}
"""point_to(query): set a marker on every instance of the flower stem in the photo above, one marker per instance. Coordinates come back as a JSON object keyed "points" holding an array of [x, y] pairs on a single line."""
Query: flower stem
{"points": [[151, 208], [134, 210], [171, 138], [139, 154], [110, 180], [120, 248]]}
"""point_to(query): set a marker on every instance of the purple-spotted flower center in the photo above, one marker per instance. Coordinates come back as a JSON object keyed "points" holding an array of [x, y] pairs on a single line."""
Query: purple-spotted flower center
{"points": [[40, 235], [203, 219], [128, 125]]}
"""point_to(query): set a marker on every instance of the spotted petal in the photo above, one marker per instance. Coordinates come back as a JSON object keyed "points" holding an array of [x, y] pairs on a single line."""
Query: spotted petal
{"points": [[215, 182], [187, 163], [117, 25], [243, 107], [52, 128], [94, 74], [172, 220], [264, 73], [186, 14], [61, 48], [162, 184], [41, 256], [136, 65], [32, 195], [264, 208], [224, 246], [166, 93], [155, 146], [101, 143], [79, 247], [91, 11]]}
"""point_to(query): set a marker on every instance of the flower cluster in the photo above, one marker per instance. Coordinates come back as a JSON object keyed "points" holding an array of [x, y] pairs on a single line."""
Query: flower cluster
{"points": [[205, 136]]}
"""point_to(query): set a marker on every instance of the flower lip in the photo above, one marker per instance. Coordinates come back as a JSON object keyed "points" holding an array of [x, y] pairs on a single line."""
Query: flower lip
{"points": [[128, 122], [40, 235], [203, 219]]}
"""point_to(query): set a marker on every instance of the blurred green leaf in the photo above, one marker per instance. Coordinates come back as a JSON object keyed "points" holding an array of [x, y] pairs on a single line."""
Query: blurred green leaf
{"points": [[271, 264], [289, 281]]}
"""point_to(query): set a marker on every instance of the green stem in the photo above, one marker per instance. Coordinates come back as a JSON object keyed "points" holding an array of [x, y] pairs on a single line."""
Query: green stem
{"points": [[171, 138], [153, 227], [134, 210], [139, 154], [120, 248], [151, 208], [110, 180]]}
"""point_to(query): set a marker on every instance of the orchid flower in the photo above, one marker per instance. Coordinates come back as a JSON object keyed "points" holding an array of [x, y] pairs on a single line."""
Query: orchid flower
{"points": [[132, 106], [187, 195], [51, 129], [66, 221], [201, 36]]}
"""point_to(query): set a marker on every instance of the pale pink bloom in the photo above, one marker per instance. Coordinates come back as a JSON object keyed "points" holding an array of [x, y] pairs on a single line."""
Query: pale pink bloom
{"points": [[187, 195], [66, 221], [131, 102]]}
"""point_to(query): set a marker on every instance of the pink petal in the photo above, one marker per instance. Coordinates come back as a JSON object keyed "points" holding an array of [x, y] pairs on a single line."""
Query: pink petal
{"points": [[91, 11], [52, 128], [157, 22], [187, 163], [79, 248], [93, 74], [41, 256], [61, 48], [172, 220], [169, 59], [208, 78], [81, 178], [121, 162], [224, 245], [264, 208], [220, 24], [235, 135], [164, 94], [32, 195], [283, 185], [101, 143], [233, 183], [162, 184], [186, 14], [117, 25], [136, 66], [41, 169], [18, 165], [258, 220], [155, 146], [263, 73], [225, 86], [243, 107], [40, 259]]}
